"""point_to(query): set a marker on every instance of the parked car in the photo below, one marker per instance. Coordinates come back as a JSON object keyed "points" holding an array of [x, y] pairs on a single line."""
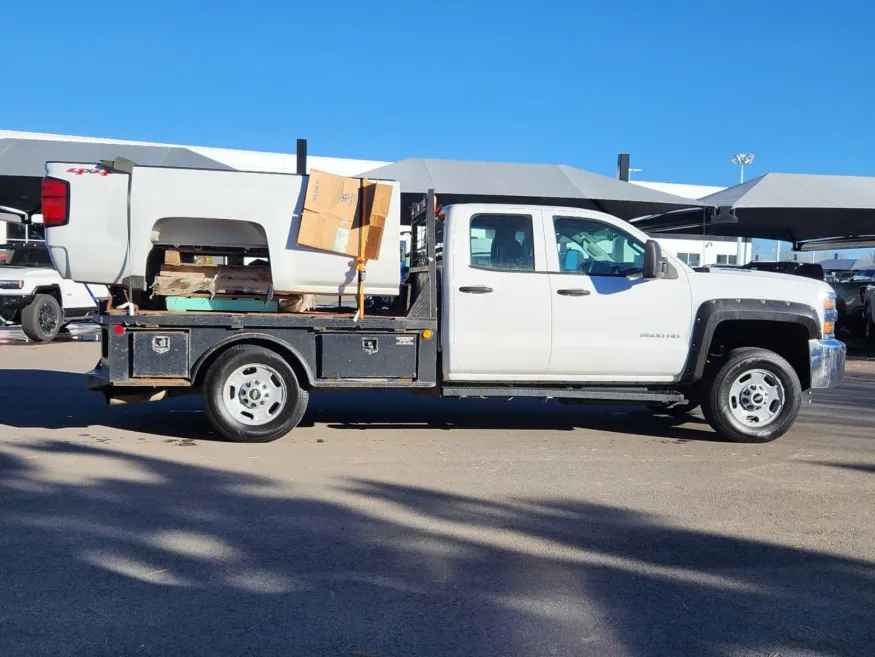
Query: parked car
{"points": [[34, 295], [850, 298], [867, 296], [807, 269]]}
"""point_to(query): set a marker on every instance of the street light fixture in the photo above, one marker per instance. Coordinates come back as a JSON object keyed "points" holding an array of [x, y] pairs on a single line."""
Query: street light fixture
{"points": [[741, 159]]}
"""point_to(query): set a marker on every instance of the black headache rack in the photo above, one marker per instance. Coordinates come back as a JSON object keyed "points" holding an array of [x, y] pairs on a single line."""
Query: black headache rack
{"points": [[426, 249], [165, 349]]}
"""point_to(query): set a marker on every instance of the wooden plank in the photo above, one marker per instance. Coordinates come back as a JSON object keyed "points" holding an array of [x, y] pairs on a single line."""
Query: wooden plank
{"points": [[212, 280], [262, 273], [296, 303], [172, 257], [182, 284]]}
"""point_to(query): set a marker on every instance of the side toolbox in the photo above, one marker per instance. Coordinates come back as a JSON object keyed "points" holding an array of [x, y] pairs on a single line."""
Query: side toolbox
{"points": [[159, 354], [367, 355]]}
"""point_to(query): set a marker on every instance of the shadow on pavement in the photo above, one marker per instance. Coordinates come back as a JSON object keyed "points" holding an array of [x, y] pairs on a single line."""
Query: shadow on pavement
{"points": [[170, 559], [860, 467], [72, 406]]}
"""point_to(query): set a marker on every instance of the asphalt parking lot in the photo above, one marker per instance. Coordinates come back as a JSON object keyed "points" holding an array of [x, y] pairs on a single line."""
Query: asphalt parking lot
{"points": [[390, 524]]}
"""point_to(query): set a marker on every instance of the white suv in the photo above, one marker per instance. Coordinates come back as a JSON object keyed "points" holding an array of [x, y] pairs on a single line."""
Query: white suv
{"points": [[32, 293]]}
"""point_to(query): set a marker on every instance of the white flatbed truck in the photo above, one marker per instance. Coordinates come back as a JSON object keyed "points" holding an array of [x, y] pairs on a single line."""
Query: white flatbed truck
{"points": [[504, 301]]}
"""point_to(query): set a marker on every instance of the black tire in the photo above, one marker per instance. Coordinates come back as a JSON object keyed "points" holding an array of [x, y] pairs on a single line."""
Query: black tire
{"points": [[222, 419], [716, 402], [42, 318]]}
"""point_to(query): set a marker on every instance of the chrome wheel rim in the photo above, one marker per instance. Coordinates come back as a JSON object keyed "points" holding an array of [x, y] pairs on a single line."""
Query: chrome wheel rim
{"points": [[756, 398], [48, 319], [254, 394]]}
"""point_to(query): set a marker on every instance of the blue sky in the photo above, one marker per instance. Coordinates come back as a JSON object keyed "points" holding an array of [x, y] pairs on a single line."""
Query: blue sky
{"points": [[679, 85]]}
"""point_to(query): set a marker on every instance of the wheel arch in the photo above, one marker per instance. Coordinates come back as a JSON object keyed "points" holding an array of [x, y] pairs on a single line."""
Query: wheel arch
{"points": [[726, 324], [53, 290], [294, 357]]}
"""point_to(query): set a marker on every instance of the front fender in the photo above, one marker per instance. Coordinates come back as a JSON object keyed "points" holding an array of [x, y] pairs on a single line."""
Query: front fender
{"points": [[716, 311]]}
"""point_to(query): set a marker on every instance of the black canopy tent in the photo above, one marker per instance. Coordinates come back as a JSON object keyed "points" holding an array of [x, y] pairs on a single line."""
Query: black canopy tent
{"points": [[810, 211], [22, 163], [456, 181]]}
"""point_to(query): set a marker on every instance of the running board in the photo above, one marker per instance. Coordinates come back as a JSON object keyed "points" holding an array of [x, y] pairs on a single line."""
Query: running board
{"points": [[634, 395]]}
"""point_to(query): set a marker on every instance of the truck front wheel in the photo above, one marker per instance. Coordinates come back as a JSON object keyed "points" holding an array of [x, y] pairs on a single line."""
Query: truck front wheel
{"points": [[251, 395], [754, 397], [42, 318]]}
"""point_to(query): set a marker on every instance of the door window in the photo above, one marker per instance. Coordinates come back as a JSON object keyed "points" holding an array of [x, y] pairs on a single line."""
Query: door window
{"points": [[502, 241], [590, 247]]}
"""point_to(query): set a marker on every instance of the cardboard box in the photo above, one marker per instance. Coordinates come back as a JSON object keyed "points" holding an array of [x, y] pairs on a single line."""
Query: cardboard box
{"points": [[330, 213], [331, 220], [377, 199]]}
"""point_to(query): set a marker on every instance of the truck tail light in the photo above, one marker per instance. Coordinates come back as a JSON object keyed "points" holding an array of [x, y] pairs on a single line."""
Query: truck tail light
{"points": [[55, 202], [863, 293]]}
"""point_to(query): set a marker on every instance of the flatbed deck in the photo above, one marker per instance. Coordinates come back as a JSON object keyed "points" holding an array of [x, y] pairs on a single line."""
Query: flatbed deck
{"points": [[312, 319]]}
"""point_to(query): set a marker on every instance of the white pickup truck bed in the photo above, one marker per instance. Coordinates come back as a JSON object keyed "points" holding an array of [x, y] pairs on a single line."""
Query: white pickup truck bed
{"points": [[172, 208]]}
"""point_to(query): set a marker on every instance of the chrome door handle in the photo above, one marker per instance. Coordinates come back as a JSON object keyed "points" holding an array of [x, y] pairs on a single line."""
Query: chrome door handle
{"points": [[573, 292], [475, 289]]}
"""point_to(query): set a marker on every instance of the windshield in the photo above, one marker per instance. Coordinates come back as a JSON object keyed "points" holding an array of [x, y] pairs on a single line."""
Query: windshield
{"points": [[866, 276], [19, 255]]}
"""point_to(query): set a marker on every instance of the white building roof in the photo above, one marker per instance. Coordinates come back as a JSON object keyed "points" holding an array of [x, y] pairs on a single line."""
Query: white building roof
{"points": [[238, 159], [680, 189]]}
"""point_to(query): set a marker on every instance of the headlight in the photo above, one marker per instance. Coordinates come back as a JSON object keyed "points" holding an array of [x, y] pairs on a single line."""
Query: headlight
{"points": [[11, 285], [830, 315], [829, 302]]}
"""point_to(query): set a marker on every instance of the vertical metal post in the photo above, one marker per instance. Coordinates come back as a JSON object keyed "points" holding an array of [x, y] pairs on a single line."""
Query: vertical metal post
{"points": [[623, 167], [741, 159], [431, 251], [301, 152], [739, 245], [360, 262]]}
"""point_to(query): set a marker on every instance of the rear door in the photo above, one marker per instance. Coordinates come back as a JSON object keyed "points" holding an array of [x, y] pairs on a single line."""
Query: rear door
{"points": [[497, 297]]}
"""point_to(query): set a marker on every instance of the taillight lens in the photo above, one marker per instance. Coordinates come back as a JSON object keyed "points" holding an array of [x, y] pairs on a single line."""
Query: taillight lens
{"points": [[55, 202], [863, 294]]}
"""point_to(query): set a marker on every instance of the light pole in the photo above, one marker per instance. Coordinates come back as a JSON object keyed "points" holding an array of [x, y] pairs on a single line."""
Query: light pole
{"points": [[741, 159]]}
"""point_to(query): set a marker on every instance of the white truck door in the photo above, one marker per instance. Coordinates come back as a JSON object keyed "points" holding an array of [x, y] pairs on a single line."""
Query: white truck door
{"points": [[609, 323], [497, 296]]}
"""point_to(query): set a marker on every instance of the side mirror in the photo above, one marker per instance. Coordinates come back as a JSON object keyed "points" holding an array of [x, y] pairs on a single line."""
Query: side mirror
{"points": [[652, 259]]}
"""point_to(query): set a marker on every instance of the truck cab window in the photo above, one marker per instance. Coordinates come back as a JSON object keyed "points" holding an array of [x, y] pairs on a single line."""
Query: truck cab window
{"points": [[502, 241], [587, 246]]}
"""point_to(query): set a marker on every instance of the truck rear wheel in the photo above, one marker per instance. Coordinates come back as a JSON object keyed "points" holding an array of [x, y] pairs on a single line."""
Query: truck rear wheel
{"points": [[251, 395], [42, 318], [754, 397]]}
